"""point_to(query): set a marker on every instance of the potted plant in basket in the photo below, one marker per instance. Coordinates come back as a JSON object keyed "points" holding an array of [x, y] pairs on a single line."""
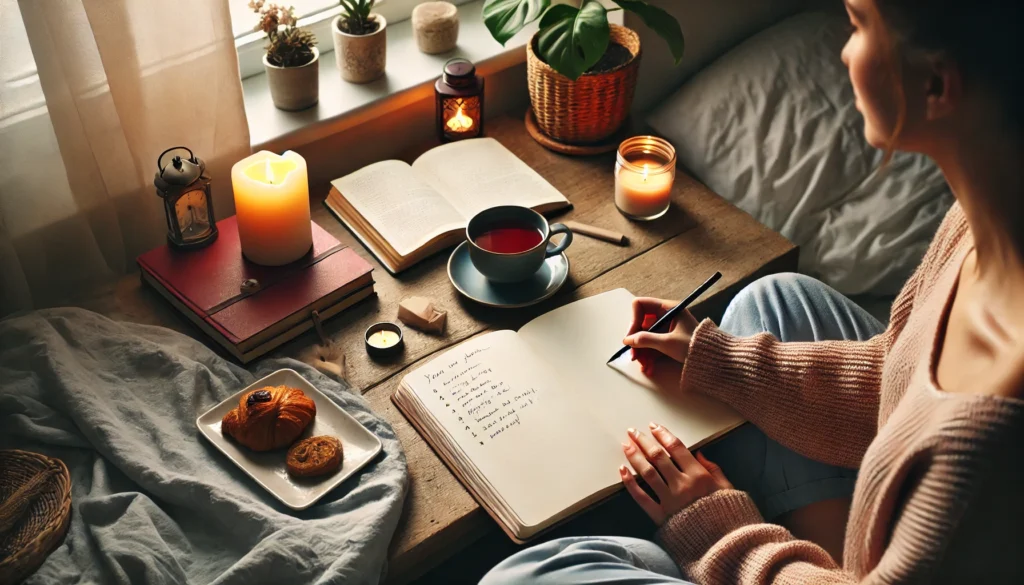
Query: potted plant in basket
{"points": [[360, 41], [581, 69], [291, 59]]}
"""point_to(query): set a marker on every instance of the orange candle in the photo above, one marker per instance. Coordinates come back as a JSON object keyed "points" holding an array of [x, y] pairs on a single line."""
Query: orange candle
{"points": [[644, 173], [272, 206]]}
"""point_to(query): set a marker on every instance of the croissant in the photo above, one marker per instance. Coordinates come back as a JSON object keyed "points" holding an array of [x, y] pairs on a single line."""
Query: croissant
{"points": [[269, 418]]}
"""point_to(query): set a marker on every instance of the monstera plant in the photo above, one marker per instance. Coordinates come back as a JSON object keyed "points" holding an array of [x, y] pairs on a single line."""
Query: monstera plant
{"points": [[572, 39]]}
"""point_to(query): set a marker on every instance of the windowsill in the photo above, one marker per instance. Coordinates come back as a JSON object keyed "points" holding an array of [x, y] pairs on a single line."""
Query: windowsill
{"points": [[409, 73]]}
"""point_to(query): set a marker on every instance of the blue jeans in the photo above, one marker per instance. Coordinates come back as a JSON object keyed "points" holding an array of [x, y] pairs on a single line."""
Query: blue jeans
{"points": [[792, 307]]}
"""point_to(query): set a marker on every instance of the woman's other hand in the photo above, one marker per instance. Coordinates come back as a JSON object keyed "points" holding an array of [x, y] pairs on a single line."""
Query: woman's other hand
{"points": [[676, 477], [674, 343]]}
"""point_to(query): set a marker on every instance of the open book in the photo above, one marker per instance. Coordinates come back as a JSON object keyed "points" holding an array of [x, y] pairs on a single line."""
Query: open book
{"points": [[533, 422], [404, 213]]}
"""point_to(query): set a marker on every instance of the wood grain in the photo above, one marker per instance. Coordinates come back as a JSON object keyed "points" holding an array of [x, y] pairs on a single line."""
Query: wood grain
{"points": [[666, 258]]}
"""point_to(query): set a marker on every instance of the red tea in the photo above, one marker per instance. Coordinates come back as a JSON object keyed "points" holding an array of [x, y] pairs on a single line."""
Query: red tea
{"points": [[509, 238]]}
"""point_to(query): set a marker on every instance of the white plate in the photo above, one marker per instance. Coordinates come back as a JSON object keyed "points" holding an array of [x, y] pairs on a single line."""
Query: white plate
{"points": [[359, 445]]}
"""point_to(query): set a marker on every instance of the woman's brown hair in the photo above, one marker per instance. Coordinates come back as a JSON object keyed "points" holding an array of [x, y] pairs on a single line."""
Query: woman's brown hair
{"points": [[983, 37]]}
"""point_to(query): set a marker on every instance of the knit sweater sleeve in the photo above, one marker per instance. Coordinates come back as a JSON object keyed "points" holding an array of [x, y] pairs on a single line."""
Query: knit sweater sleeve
{"points": [[820, 399], [722, 540]]}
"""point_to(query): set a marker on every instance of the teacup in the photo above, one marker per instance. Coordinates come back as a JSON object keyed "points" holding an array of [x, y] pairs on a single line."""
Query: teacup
{"points": [[509, 243]]}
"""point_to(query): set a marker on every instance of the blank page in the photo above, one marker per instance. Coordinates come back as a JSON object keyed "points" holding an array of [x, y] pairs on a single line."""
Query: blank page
{"points": [[579, 338]]}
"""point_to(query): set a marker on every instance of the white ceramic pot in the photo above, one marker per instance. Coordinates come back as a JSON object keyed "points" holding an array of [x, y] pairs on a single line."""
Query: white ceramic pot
{"points": [[294, 88], [436, 26], [361, 58]]}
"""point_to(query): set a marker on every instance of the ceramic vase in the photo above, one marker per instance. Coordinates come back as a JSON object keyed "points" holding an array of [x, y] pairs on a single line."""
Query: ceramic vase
{"points": [[294, 88], [361, 58]]}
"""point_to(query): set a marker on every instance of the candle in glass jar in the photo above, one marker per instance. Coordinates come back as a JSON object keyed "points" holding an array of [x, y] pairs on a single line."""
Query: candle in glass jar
{"points": [[272, 207], [644, 173]]}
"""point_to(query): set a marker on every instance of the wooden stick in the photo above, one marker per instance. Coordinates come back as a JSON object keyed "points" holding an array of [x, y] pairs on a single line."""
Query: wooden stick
{"points": [[596, 232]]}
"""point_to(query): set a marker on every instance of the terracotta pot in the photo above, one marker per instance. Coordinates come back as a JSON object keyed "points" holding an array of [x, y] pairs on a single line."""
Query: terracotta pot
{"points": [[294, 88], [361, 58]]}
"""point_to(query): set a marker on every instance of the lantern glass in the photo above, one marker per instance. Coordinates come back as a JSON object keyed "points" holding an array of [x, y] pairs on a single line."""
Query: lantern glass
{"points": [[459, 95]]}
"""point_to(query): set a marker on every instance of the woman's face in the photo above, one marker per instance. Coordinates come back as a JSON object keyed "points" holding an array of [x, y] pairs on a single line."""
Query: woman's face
{"points": [[866, 55]]}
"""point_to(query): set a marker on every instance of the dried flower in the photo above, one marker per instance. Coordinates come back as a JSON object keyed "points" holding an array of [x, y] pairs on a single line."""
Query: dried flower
{"points": [[289, 45]]}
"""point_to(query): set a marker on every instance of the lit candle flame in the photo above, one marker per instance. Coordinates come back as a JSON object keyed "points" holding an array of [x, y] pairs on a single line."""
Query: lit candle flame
{"points": [[270, 172], [460, 122], [645, 173]]}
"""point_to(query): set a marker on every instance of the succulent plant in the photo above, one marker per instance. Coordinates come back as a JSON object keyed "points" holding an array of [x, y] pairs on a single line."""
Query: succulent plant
{"points": [[356, 18], [290, 46]]}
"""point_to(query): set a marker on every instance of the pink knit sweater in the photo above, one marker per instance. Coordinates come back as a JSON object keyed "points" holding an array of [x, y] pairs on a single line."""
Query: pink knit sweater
{"points": [[939, 494]]}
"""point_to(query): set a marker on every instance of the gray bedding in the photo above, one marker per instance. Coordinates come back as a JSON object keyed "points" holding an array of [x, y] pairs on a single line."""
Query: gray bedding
{"points": [[152, 501]]}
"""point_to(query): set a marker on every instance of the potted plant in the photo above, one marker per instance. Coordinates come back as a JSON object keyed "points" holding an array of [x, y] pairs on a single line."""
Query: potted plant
{"points": [[360, 41], [291, 59], [581, 70]]}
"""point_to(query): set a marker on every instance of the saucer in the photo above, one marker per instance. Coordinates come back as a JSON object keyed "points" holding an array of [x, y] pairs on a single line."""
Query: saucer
{"points": [[544, 283]]}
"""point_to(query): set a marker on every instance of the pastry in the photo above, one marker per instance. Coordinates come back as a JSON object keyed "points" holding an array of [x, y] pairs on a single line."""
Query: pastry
{"points": [[269, 418], [314, 456]]}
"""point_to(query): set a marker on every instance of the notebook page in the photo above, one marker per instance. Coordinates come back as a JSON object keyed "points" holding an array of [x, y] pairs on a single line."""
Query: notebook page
{"points": [[479, 173], [501, 405], [580, 337], [405, 210]]}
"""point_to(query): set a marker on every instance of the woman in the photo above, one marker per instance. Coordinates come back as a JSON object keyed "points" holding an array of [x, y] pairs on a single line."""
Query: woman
{"points": [[931, 410]]}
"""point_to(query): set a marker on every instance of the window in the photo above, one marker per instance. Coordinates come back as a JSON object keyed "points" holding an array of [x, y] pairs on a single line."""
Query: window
{"points": [[20, 92], [315, 15]]}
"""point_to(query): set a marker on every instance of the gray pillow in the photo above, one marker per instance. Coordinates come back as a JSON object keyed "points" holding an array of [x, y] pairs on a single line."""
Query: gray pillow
{"points": [[771, 126]]}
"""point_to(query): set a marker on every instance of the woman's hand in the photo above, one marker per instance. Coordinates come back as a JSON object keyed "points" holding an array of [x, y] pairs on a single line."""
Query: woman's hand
{"points": [[675, 343], [676, 477]]}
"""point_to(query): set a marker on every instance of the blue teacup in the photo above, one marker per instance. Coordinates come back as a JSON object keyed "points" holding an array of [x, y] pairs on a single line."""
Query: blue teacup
{"points": [[509, 243]]}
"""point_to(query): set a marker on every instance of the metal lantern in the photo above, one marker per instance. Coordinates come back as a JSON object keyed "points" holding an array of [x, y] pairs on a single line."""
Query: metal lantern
{"points": [[185, 189], [459, 97]]}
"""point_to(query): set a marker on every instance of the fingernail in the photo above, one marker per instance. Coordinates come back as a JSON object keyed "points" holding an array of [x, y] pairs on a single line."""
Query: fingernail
{"points": [[654, 426], [622, 470], [631, 431], [627, 447]]}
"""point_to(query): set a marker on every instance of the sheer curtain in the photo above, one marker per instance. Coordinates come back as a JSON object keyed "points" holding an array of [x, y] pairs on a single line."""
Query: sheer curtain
{"points": [[122, 81]]}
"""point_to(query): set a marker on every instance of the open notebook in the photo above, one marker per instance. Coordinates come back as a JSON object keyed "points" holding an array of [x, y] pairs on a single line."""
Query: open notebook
{"points": [[404, 213], [532, 422]]}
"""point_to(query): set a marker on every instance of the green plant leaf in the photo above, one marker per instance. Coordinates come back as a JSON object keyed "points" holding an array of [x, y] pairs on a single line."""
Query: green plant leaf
{"points": [[660, 22], [504, 18], [572, 41]]}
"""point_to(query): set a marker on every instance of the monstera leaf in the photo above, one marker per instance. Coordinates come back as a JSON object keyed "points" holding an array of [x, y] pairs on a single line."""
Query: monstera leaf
{"points": [[572, 40], [504, 18], [660, 22]]}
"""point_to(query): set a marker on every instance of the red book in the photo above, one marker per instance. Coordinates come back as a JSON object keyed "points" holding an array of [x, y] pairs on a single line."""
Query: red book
{"points": [[207, 286]]}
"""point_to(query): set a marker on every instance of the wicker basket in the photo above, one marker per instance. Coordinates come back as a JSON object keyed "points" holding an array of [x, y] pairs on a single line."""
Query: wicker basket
{"points": [[591, 108], [35, 511]]}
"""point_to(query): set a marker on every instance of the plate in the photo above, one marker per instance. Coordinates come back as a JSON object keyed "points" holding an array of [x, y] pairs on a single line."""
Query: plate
{"points": [[359, 445], [542, 285]]}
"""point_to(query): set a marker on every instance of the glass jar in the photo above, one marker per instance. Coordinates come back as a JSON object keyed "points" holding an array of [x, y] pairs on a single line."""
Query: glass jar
{"points": [[645, 168]]}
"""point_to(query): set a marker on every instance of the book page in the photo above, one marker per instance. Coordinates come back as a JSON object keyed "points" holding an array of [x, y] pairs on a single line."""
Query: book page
{"points": [[579, 338], [404, 209], [504, 408], [479, 173]]}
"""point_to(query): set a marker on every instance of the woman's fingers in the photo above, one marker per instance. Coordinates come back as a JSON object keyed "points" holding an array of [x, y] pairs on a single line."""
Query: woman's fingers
{"points": [[715, 471], [658, 457], [680, 454], [644, 306], [646, 503], [638, 461]]}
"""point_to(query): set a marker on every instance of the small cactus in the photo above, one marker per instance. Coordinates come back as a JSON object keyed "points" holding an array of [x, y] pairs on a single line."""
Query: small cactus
{"points": [[356, 18]]}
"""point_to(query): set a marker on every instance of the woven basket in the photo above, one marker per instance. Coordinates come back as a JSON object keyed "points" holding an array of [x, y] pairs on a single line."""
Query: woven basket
{"points": [[35, 511], [591, 108]]}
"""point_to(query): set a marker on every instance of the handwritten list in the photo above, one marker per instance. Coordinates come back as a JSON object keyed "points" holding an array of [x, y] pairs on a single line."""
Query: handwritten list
{"points": [[486, 397]]}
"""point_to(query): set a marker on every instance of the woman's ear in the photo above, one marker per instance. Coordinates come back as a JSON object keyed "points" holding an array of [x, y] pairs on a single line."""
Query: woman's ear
{"points": [[944, 88]]}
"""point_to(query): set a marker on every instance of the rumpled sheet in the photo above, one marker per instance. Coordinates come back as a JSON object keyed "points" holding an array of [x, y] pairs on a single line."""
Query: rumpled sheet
{"points": [[152, 501]]}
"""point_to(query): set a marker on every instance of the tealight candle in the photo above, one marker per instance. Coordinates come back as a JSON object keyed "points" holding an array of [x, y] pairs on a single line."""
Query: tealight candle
{"points": [[645, 168], [272, 207], [383, 339]]}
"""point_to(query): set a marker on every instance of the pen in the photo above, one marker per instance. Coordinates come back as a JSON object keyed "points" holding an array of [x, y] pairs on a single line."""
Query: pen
{"points": [[671, 313]]}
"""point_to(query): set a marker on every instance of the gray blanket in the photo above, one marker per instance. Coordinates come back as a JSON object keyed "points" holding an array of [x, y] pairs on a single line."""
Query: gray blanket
{"points": [[152, 501]]}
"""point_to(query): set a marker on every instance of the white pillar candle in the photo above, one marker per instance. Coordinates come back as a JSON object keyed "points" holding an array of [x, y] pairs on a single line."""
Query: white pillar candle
{"points": [[272, 206]]}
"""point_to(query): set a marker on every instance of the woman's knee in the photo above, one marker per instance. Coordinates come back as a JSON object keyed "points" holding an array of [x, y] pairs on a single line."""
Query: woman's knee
{"points": [[758, 307], [579, 559]]}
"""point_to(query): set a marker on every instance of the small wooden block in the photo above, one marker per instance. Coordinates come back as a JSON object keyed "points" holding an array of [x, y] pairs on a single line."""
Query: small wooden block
{"points": [[419, 313]]}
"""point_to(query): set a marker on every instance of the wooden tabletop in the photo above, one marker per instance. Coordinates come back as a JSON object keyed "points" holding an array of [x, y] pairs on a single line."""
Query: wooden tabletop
{"points": [[667, 258]]}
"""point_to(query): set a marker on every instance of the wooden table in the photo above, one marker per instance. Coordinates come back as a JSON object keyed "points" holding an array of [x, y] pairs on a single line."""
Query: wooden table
{"points": [[668, 258]]}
